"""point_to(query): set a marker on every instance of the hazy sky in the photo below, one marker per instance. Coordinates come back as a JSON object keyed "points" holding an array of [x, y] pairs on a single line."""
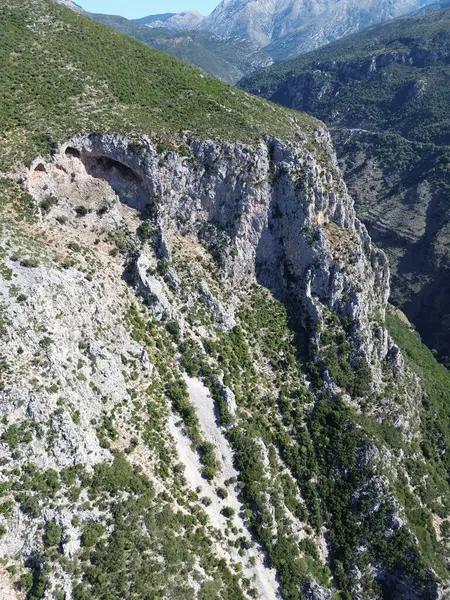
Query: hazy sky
{"points": [[141, 8]]}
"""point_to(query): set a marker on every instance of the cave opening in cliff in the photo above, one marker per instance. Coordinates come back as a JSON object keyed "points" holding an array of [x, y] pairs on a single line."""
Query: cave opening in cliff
{"points": [[73, 152], [127, 183]]}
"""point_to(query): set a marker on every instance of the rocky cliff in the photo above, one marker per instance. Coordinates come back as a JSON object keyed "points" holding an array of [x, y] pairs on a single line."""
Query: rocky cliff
{"points": [[72, 5], [384, 95], [199, 396]]}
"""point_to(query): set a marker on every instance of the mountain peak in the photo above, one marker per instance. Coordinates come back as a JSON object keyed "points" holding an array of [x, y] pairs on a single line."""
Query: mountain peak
{"points": [[288, 27]]}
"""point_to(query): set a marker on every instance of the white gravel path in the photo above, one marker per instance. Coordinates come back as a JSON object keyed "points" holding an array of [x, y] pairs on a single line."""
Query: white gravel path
{"points": [[262, 578]]}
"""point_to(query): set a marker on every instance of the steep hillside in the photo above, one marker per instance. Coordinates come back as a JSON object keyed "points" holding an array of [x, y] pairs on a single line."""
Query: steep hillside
{"points": [[287, 28], [199, 396], [385, 93], [113, 83], [227, 58]]}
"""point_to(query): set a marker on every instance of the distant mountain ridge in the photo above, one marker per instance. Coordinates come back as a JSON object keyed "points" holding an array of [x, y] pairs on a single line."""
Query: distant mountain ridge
{"points": [[188, 19], [284, 28], [240, 37], [290, 27], [443, 4]]}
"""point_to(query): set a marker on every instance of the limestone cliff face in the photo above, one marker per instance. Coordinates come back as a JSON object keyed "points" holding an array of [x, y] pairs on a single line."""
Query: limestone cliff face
{"points": [[157, 284], [72, 5], [278, 215]]}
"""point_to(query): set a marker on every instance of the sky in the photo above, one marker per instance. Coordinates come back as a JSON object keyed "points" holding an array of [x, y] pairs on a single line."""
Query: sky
{"points": [[133, 9]]}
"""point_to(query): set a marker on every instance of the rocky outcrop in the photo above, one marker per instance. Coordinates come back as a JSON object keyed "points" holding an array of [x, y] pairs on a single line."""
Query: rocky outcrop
{"points": [[274, 215], [376, 93], [72, 5]]}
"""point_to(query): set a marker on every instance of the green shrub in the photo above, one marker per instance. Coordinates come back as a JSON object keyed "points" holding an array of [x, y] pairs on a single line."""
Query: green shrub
{"points": [[222, 493], [29, 262], [47, 204], [6, 508], [120, 476], [227, 512], [208, 459], [81, 211], [30, 506], [173, 328], [92, 532], [16, 435], [53, 534], [163, 267]]}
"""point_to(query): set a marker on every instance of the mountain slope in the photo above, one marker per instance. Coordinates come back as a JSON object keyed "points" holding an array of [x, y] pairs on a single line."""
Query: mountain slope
{"points": [[199, 396], [290, 27], [411, 53], [385, 93], [227, 58]]}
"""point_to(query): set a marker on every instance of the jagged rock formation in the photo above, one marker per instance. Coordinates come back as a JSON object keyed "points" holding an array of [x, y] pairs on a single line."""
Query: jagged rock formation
{"points": [[384, 94], [199, 397], [287, 28]]}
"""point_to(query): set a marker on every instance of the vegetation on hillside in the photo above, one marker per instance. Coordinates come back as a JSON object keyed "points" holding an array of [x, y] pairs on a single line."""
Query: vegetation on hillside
{"points": [[109, 82], [328, 486]]}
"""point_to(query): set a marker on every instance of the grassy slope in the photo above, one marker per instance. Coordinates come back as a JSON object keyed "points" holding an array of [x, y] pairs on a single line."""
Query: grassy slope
{"points": [[61, 73]]}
